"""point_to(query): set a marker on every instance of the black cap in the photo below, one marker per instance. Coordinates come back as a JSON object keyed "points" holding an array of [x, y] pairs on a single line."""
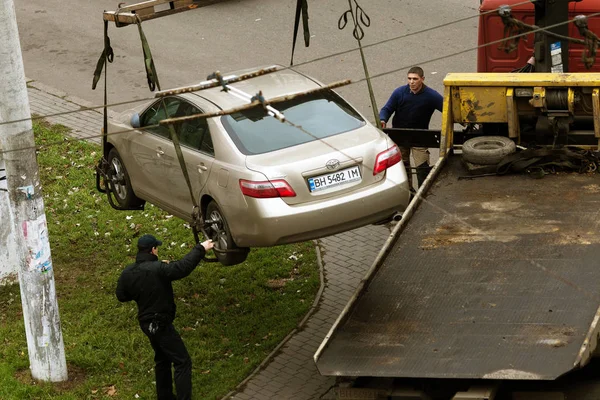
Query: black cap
{"points": [[148, 241]]}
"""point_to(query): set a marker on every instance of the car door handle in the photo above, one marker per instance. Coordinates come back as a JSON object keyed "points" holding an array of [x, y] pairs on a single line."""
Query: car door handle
{"points": [[202, 167], [159, 152]]}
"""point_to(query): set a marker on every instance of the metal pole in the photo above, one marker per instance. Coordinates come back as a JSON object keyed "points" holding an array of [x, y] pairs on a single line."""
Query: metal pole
{"points": [[551, 12], [36, 276]]}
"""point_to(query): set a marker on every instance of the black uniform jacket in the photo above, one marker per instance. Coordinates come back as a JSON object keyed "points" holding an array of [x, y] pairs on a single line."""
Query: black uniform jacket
{"points": [[148, 282]]}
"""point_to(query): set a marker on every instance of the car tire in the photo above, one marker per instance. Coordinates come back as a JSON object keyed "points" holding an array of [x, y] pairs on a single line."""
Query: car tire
{"points": [[487, 150], [220, 234], [120, 183]]}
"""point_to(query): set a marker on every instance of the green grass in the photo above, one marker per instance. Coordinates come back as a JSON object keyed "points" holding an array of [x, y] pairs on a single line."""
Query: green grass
{"points": [[229, 317]]}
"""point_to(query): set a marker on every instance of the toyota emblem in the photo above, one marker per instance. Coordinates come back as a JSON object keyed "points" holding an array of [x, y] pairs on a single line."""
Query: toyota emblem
{"points": [[332, 164]]}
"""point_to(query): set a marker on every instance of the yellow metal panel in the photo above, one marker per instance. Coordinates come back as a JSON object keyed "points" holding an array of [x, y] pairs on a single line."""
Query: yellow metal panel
{"points": [[482, 104], [596, 103], [456, 109], [447, 134], [514, 130], [589, 79]]}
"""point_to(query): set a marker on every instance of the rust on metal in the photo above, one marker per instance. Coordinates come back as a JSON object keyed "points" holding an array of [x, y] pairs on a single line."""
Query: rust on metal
{"points": [[214, 82], [255, 103]]}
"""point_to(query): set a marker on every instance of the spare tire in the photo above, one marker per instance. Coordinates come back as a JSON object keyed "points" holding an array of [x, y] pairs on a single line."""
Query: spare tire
{"points": [[487, 150]]}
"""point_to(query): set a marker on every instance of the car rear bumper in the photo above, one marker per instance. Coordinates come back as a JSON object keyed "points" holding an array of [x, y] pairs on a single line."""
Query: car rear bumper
{"points": [[269, 222]]}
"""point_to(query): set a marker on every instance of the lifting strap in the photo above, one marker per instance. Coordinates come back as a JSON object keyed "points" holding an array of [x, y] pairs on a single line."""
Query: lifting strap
{"points": [[151, 74], [186, 175], [536, 160], [185, 172], [106, 56], [301, 10]]}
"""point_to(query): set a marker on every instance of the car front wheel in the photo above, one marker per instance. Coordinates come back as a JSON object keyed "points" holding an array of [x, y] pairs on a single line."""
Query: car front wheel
{"points": [[228, 253], [120, 183]]}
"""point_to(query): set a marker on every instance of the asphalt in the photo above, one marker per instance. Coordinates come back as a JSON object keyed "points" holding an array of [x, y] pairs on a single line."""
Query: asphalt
{"points": [[289, 371]]}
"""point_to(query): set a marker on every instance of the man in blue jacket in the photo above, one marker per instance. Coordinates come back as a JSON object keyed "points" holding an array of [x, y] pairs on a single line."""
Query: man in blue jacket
{"points": [[413, 105], [148, 282]]}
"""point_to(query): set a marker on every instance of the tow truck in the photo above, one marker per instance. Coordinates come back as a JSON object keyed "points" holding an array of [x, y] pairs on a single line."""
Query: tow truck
{"points": [[489, 286]]}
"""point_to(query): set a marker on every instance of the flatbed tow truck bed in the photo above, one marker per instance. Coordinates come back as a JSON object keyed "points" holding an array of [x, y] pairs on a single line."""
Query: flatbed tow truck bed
{"points": [[495, 277]]}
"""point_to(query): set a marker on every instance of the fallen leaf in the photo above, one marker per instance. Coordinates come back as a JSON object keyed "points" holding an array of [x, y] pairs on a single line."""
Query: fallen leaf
{"points": [[111, 391]]}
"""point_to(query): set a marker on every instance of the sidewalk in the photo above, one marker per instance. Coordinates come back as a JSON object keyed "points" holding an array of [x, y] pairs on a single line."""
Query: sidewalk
{"points": [[44, 100], [289, 372]]}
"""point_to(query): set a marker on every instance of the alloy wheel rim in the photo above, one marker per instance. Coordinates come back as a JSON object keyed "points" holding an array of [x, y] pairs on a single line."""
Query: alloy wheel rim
{"points": [[220, 236], [118, 178]]}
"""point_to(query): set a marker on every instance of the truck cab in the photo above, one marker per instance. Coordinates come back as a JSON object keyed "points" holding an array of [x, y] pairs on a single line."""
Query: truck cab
{"points": [[491, 28]]}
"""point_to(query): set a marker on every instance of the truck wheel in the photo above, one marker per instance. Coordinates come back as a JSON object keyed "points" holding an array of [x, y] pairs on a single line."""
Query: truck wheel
{"points": [[487, 150], [221, 235], [120, 183]]}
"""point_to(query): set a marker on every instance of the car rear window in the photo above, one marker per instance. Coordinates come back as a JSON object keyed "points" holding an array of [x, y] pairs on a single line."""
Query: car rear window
{"points": [[321, 116]]}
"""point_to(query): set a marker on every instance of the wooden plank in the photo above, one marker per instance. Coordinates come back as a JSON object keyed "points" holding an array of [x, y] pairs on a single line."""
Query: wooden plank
{"points": [[146, 10]]}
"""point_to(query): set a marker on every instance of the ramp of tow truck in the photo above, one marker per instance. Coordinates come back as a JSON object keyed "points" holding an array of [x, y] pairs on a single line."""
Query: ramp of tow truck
{"points": [[495, 277]]}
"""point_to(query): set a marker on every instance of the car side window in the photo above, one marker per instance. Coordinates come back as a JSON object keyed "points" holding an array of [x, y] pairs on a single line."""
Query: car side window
{"points": [[193, 133], [157, 112], [207, 145]]}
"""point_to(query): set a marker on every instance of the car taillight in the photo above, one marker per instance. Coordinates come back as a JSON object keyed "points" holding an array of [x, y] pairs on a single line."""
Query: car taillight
{"points": [[266, 189], [386, 159]]}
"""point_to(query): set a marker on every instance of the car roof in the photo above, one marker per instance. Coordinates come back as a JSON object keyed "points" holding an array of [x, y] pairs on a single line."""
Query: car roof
{"points": [[284, 81]]}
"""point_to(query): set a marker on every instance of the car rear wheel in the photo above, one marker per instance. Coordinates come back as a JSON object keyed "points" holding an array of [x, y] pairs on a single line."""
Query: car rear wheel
{"points": [[228, 253], [120, 183]]}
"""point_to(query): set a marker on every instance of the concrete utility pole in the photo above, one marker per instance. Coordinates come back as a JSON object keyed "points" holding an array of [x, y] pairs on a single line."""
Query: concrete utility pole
{"points": [[36, 277], [8, 246]]}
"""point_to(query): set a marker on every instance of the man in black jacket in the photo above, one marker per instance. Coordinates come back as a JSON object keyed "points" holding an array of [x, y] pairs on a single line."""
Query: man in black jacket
{"points": [[148, 282]]}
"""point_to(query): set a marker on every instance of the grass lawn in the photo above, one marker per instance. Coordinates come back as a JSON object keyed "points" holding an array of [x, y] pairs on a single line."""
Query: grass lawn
{"points": [[229, 317]]}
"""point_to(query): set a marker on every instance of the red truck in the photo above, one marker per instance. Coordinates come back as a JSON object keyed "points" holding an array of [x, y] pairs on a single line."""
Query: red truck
{"points": [[491, 28]]}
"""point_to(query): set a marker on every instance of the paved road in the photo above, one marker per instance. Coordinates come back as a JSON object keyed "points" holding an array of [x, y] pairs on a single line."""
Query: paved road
{"points": [[61, 42]]}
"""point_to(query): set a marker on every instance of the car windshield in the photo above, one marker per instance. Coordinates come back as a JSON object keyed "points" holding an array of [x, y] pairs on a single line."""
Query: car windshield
{"points": [[320, 116]]}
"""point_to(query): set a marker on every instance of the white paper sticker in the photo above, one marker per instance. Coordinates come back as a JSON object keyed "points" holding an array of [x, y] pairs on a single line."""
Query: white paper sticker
{"points": [[36, 240]]}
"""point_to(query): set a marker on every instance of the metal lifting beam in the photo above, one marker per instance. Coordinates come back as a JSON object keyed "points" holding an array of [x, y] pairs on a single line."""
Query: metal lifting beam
{"points": [[152, 9]]}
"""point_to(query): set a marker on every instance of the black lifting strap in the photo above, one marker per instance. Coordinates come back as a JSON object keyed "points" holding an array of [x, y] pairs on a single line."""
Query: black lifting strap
{"points": [[107, 55], [186, 175], [151, 74], [538, 158], [301, 9]]}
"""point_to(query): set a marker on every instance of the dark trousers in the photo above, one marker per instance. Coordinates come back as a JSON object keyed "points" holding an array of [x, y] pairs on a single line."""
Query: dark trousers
{"points": [[169, 349]]}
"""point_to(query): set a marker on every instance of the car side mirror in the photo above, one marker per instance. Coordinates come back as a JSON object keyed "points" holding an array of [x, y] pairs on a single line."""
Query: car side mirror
{"points": [[135, 120]]}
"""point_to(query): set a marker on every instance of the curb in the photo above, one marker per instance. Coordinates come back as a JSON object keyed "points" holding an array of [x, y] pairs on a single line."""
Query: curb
{"points": [[299, 327], [84, 104]]}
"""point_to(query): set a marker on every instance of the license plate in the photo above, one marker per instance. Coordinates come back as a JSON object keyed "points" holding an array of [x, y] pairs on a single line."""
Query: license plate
{"points": [[337, 178]]}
